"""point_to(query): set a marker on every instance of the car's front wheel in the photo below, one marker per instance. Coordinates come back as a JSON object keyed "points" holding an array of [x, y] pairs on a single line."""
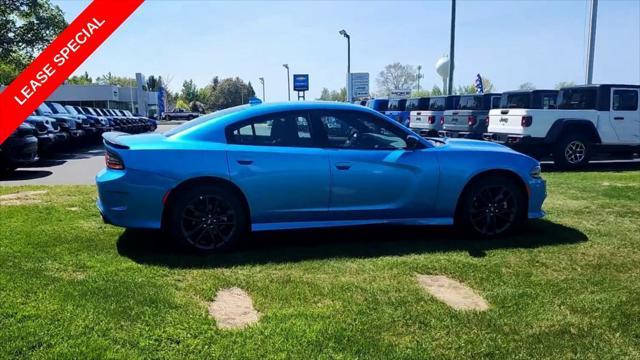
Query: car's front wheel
{"points": [[207, 218], [492, 206]]}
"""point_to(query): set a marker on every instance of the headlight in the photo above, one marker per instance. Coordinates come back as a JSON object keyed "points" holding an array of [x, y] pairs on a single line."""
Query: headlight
{"points": [[536, 172]]}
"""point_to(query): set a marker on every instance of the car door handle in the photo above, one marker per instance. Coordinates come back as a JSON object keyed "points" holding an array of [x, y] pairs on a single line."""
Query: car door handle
{"points": [[618, 118], [245, 162], [343, 166]]}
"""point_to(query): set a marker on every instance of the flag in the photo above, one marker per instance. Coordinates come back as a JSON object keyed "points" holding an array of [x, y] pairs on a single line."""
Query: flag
{"points": [[479, 86]]}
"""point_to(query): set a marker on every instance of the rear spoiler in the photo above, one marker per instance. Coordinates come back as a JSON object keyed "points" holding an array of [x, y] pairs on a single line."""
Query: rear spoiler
{"points": [[111, 139]]}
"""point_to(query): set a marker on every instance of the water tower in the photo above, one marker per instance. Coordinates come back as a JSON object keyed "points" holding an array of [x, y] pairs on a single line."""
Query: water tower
{"points": [[442, 68]]}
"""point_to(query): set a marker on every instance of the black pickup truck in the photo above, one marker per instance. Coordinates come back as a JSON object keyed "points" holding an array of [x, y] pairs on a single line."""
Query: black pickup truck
{"points": [[179, 114]]}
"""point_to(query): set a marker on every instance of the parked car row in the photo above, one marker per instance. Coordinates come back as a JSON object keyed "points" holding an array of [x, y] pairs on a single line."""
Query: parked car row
{"points": [[570, 125], [53, 125]]}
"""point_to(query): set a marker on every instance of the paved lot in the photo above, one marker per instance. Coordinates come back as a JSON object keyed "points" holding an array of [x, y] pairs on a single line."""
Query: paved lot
{"points": [[80, 166], [71, 167]]}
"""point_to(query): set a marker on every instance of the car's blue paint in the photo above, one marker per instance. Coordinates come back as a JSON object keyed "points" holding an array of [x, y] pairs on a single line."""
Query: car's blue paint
{"points": [[293, 187], [396, 110]]}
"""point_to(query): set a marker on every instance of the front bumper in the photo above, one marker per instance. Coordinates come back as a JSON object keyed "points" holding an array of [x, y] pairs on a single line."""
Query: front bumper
{"points": [[20, 150], [45, 141], [537, 189]]}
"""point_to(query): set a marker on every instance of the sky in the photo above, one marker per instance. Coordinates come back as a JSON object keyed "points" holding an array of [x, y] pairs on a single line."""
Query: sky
{"points": [[509, 42]]}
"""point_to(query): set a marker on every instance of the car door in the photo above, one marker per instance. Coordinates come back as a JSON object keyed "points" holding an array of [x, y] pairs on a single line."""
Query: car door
{"points": [[373, 176], [275, 162], [624, 114]]}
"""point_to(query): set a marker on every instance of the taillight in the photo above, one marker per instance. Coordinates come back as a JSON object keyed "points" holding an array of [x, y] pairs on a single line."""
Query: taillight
{"points": [[113, 161], [486, 121], [431, 119], [526, 121], [441, 120], [471, 120]]}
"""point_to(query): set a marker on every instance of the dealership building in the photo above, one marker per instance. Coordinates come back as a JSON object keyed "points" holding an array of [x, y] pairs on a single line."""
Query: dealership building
{"points": [[136, 99]]}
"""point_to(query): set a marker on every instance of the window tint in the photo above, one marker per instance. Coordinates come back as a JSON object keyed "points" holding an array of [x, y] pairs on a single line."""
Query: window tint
{"points": [[577, 99], [549, 101], [470, 103], [625, 100], [417, 104], [349, 130], [495, 102], [397, 104], [280, 129], [204, 118], [516, 101], [437, 104]]}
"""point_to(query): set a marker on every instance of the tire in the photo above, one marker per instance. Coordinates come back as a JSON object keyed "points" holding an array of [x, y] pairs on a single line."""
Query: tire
{"points": [[207, 219], [572, 151], [6, 170], [492, 206]]}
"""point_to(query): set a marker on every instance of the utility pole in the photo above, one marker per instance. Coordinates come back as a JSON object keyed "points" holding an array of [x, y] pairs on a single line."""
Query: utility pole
{"points": [[452, 48], [591, 45], [264, 99], [419, 68], [286, 66]]}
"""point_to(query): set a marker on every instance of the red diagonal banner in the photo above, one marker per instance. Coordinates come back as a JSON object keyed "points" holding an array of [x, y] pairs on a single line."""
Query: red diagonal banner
{"points": [[60, 59]]}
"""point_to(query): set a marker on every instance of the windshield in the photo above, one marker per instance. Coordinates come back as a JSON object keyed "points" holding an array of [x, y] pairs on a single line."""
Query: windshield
{"points": [[71, 110], [203, 119], [44, 109], [58, 109], [581, 99], [437, 104], [470, 103], [516, 101], [90, 111], [127, 112]]}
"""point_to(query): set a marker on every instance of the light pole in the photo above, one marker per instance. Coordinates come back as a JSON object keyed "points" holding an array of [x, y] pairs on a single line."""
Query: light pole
{"points": [[452, 47], [344, 33], [419, 76], [264, 99], [591, 46], [286, 66]]}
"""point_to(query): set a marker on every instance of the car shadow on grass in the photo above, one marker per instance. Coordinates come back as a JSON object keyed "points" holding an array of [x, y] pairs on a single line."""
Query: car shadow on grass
{"points": [[153, 248]]}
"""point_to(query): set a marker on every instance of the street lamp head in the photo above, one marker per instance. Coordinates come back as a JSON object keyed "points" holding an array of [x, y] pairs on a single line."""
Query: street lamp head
{"points": [[261, 79], [344, 33], [286, 66]]}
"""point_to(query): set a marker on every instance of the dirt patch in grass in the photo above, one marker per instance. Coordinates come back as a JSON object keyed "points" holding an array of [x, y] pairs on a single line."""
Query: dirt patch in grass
{"points": [[22, 198], [233, 309], [453, 293]]}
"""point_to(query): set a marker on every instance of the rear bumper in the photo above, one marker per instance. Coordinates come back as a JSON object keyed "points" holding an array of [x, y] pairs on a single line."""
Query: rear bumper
{"points": [[519, 142], [460, 134]]}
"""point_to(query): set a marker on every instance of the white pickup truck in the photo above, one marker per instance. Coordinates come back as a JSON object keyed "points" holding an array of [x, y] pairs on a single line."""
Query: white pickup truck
{"points": [[586, 120]]}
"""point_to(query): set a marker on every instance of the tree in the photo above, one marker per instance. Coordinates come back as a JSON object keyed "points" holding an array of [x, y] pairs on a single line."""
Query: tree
{"points": [[487, 85], [324, 95], [28, 26], [527, 86], [110, 79], [465, 90], [562, 84], [397, 76], [420, 93], [83, 79], [436, 91], [227, 93], [333, 95], [189, 91], [181, 104]]}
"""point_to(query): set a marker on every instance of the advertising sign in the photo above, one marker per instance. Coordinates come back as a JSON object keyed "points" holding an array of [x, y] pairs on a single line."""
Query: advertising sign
{"points": [[360, 85], [400, 93], [300, 82]]}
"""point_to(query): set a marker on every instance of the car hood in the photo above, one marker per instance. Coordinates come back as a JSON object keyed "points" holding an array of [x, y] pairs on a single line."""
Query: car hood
{"points": [[474, 145]]}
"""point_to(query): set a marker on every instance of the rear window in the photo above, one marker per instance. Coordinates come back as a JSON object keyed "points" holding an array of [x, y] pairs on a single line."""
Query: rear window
{"points": [[437, 104], [470, 103], [625, 100], [516, 101], [581, 99], [397, 105], [203, 119], [417, 104]]}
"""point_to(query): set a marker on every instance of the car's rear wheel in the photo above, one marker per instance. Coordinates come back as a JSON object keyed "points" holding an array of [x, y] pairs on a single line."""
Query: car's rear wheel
{"points": [[572, 152], [207, 218], [492, 206]]}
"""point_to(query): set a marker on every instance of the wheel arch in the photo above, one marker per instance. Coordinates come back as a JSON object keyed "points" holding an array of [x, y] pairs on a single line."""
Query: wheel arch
{"points": [[509, 174], [563, 126], [204, 180]]}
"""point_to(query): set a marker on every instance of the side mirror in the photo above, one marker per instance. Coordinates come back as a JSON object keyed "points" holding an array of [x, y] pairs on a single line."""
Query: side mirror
{"points": [[412, 142]]}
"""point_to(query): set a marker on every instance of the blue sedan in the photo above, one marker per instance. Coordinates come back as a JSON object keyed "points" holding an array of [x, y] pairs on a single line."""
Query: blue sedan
{"points": [[309, 165]]}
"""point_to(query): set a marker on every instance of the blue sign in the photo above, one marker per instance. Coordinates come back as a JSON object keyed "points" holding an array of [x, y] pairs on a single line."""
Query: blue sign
{"points": [[160, 101], [300, 82]]}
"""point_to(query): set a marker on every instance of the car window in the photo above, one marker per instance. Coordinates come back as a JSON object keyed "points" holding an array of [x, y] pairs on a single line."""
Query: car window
{"points": [[437, 104], [417, 104], [549, 101], [351, 130], [625, 100], [580, 99], [470, 103], [278, 129], [44, 109], [57, 108], [495, 102], [516, 101]]}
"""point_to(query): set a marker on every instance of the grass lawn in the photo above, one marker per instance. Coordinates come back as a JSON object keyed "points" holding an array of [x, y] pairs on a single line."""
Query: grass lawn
{"points": [[569, 286]]}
